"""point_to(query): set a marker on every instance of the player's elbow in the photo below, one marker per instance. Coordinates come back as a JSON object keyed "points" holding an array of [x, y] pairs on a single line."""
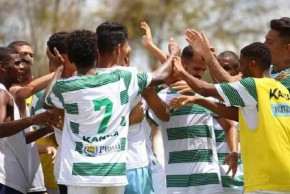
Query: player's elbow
{"points": [[165, 118]]}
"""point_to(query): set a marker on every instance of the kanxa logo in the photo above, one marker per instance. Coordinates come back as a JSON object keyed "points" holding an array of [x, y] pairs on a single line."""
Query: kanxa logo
{"points": [[277, 93]]}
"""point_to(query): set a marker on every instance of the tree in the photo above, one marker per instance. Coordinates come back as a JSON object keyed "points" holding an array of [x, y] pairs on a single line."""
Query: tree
{"points": [[226, 22]]}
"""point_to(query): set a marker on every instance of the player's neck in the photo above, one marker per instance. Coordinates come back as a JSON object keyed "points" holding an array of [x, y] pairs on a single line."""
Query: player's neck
{"points": [[87, 71], [106, 61]]}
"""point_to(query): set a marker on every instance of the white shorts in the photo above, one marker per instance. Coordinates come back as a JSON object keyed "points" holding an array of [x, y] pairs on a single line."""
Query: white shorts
{"points": [[95, 190]]}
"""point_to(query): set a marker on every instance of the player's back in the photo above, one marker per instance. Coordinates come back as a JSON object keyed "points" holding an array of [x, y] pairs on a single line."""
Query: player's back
{"points": [[96, 126]]}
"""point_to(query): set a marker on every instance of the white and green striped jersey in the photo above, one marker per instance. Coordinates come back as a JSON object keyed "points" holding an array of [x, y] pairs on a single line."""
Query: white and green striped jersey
{"points": [[137, 153], [36, 108], [94, 142], [230, 186], [282, 76], [137, 156], [242, 94], [36, 103], [273, 73], [191, 163]]}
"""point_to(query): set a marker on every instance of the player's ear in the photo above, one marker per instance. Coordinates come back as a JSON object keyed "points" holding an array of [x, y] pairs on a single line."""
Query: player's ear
{"points": [[2, 66]]}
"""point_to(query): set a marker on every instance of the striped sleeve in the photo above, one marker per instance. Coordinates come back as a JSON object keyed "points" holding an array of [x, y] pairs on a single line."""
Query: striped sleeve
{"points": [[242, 93], [144, 79], [54, 98]]}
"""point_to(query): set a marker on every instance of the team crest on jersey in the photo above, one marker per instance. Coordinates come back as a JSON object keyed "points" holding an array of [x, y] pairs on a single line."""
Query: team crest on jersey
{"points": [[91, 151]]}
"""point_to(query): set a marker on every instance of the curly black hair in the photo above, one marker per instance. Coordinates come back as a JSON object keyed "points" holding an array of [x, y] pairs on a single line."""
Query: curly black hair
{"points": [[259, 52], [109, 35], [57, 40], [282, 25], [82, 48]]}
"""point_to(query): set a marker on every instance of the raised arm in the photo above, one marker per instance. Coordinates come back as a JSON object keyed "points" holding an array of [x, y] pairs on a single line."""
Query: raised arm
{"points": [[21, 92], [150, 46], [201, 46], [57, 75], [199, 86], [163, 71]]}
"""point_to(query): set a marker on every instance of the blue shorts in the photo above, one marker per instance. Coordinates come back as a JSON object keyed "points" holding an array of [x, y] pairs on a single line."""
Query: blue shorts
{"points": [[139, 181], [8, 190]]}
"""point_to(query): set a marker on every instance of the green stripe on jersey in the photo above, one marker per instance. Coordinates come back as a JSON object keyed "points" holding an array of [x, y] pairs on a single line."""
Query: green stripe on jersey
{"points": [[38, 104], [124, 94], [104, 169], [238, 181], [189, 156], [192, 180], [222, 156], [220, 136], [189, 132], [72, 108], [250, 86], [192, 109], [49, 102], [75, 127], [142, 81], [123, 144], [93, 82], [286, 81], [79, 147], [232, 94]]}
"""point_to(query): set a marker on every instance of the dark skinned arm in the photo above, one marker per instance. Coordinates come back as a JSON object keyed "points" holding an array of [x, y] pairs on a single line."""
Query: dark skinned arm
{"points": [[32, 136], [156, 104]]}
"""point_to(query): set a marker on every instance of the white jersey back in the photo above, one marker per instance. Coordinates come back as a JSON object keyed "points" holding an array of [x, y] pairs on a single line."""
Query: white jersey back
{"points": [[94, 143], [191, 163]]}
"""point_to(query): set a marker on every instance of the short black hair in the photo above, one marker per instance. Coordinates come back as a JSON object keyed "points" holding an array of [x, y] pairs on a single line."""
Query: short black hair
{"points": [[187, 53], [109, 35], [57, 40], [82, 48], [18, 43], [232, 55], [5, 54], [282, 25], [259, 52]]}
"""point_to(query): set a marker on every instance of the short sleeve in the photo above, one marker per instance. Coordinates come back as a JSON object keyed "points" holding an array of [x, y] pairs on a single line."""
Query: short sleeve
{"points": [[144, 79], [242, 93], [55, 98]]}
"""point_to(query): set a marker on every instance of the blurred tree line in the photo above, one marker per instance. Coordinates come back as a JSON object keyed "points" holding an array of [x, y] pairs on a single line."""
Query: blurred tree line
{"points": [[229, 24]]}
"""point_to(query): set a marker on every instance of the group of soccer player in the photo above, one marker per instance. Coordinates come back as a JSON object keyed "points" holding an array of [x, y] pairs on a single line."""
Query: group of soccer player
{"points": [[100, 121]]}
